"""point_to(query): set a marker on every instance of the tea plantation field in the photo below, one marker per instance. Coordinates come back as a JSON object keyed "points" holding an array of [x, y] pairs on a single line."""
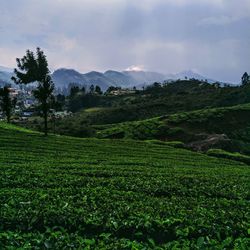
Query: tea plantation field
{"points": [[69, 193]]}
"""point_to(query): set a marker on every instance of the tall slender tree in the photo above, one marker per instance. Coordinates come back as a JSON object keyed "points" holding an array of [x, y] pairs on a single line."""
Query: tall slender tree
{"points": [[6, 102], [33, 67]]}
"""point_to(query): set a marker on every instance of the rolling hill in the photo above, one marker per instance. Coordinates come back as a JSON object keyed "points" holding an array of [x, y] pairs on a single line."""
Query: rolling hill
{"points": [[67, 193]]}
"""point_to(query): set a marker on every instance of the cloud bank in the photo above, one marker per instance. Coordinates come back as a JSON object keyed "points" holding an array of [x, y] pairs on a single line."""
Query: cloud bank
{"points": [[168, 36]]}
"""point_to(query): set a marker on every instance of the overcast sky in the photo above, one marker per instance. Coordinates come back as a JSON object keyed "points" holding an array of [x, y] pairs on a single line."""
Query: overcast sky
{"points": [[211, 37]]}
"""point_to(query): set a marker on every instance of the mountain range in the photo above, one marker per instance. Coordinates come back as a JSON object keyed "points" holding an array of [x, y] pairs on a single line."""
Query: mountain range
{"points": [[125, 79]]}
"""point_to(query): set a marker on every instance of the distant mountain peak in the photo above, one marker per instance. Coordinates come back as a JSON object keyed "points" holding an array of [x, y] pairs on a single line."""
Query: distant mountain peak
{"points": [[132, 76]]}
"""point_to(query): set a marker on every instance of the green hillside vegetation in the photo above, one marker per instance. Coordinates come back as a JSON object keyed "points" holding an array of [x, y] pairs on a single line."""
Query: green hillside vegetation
{"points": [[159, 99], [190, 128], [155, 100], [68, 193]]}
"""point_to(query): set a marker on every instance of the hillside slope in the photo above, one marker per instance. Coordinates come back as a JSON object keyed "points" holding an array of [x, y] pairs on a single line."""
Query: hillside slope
{"points": [[229, 124], [69, 193], [179, 96]]}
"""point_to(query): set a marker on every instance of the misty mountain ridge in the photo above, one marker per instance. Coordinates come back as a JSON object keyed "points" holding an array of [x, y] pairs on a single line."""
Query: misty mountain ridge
{"points": [[190, 75], [5, 75], [126, 79]]}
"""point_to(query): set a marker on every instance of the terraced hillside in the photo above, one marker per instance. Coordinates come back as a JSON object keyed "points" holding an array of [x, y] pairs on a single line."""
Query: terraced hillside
{"points": [[69, 193]]}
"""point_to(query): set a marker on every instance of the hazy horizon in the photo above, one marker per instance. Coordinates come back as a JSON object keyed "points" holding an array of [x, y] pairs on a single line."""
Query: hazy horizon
{"points": [[208, 36]]}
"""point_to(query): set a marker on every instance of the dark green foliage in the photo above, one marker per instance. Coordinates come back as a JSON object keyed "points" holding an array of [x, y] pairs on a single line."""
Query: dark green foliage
{"points": [[78, 98], [76, 102], [29, 69], [158, 100], [32, 68], [67, 193]]}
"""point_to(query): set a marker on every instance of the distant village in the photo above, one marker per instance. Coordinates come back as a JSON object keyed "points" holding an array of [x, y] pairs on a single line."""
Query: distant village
{"points": [[26, 105], [25, 102]]}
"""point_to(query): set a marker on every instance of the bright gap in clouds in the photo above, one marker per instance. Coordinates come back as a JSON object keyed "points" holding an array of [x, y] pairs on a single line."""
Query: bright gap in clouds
{"points": [[135, 68]]}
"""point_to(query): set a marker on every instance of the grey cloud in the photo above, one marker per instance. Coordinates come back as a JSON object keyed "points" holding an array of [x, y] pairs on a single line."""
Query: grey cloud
{"points": [[163, 35]]}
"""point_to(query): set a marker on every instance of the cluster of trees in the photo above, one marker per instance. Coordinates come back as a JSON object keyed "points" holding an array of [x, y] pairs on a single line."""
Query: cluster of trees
{"points": [[93, 90], [80, 97]]}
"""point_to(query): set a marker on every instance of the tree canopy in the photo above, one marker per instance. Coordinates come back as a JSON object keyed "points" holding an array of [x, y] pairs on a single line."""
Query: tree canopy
{"points": [[33, 67]]}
